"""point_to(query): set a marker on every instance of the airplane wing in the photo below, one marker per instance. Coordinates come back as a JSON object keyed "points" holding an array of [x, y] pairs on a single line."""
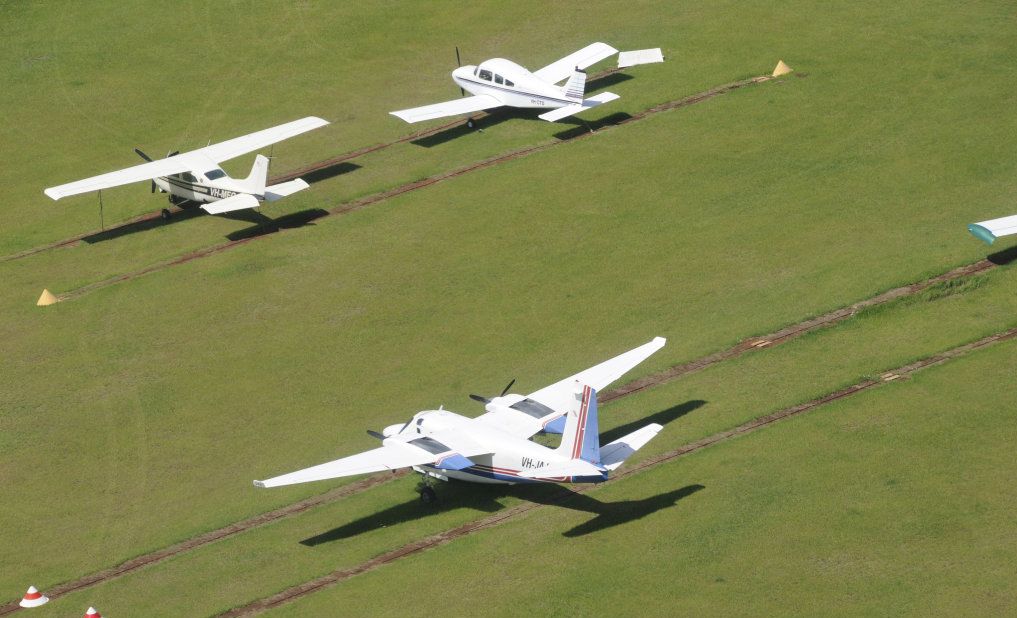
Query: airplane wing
{"points": [[455, 107], [530, 415], [224, 151], [385, 457], [447, 450], [195, 160], [992, 229], [587, 56], [145, 171]]}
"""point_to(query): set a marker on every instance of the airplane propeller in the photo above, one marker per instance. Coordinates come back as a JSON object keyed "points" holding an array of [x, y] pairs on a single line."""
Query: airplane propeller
{"points": [[459, 63], [375, 434], [483, 399], [147, 158]]}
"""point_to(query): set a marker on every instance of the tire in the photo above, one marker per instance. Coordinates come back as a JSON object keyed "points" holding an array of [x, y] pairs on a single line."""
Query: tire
{"points": [[165, 214], [427, 495]]}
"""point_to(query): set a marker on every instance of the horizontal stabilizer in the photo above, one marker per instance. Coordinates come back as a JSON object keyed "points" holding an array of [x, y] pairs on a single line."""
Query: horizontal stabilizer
{"points": [[281, 190], [576, 467], [240, 201], [992, 229], [569, 110], [614, 454], [465, 105], [639, 56]]}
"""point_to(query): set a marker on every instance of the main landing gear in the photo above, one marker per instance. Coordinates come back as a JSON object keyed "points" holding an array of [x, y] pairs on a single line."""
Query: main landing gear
{"points": [[166, 214], [427, 495]]}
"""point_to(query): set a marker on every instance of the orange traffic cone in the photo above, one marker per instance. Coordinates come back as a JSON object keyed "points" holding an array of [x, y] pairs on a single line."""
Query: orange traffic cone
{"points": [[91, 613], [33, 598]]}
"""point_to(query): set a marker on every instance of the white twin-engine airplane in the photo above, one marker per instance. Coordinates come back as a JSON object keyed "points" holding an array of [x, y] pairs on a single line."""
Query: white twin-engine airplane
{"points": [[196, 175], [499, 82], [495, 447], [992, 229]]}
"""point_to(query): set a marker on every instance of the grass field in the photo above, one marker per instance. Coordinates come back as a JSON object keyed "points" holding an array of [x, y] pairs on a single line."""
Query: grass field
{"points": [[136, 415], [896, 502]]}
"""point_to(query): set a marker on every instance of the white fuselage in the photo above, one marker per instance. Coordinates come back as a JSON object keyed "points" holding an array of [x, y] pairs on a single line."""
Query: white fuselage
{"points": [[212, 186], [511, 84], [508, 455]]}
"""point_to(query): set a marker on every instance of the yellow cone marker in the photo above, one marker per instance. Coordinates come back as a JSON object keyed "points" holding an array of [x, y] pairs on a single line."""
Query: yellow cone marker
{"points": [[47, 298], [782, 69]]}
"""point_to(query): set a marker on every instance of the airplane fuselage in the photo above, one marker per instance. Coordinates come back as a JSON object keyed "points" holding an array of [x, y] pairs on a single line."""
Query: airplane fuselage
{"points": [[509, 457], [511, 84], [199, 187]]}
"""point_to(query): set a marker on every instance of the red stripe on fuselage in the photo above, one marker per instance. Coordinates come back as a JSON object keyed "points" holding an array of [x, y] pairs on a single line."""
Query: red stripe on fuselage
{"points": [[584, 408]]}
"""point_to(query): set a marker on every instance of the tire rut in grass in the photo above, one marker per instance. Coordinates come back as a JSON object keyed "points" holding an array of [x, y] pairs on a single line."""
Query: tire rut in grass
{"points": [[748, 345], [302, 590]]}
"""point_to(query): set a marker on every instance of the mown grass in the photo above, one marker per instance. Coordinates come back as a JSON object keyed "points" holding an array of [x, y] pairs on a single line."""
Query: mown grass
{"points": [[136, 416], [359, 527], [895, 501]]}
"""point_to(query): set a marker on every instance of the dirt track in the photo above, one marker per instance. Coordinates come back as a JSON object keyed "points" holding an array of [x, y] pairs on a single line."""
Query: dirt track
{"points": [[303, 171], [301, 590], [748, 345], [370, 200]]}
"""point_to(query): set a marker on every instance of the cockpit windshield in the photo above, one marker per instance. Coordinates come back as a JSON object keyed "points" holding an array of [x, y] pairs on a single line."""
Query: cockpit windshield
{"points": [[214, 174]]}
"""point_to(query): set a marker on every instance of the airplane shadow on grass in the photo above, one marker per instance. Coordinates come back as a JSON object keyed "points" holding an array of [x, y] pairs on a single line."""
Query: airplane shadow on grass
{"points": [[503, 114], [1004, 257], [486, 498], [263, 224]]}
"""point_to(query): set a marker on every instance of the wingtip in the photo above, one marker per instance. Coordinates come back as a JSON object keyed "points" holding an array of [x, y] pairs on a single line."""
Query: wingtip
{"points": [[659, 341], [260, 484], [982, 233], [52, 194]]}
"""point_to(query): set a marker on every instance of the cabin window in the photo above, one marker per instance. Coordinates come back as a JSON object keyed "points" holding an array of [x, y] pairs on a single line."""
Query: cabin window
{"points": [[475, 71], [189, 177], [509, 83], [498, 79], [212, 175], [485, 74]]}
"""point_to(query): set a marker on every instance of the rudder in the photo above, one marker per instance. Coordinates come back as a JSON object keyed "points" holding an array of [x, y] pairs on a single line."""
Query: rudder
{"points": [[255, 181], [580, 438], [575, 88]]}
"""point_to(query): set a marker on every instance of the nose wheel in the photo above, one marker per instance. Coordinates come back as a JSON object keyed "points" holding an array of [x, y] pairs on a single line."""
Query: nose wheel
{"points": [[165, 214]]}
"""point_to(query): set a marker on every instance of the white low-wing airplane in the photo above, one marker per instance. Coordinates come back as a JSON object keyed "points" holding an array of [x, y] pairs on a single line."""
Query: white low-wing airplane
{"points": [[499, 82], [495, 446], [992, 229], [196, 175]]}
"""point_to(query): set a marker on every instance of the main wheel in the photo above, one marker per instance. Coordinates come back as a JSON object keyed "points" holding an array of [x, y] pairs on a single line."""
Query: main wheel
{"points": [[470, 123], [427, 495], [165, 214]]}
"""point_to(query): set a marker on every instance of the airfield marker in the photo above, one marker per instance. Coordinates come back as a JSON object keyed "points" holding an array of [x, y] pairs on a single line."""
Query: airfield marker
{"points": [[47, 298], [33, 598], [91, 613], [781, 69]]}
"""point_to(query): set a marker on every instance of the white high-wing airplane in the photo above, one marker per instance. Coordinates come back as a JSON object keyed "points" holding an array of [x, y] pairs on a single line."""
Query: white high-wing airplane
{"points": [[992, 229], [196, 175], [495, 446], [499, 82]]}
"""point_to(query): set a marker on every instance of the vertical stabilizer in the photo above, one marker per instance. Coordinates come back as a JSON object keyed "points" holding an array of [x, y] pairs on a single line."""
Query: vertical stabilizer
{"points": [[581, 439], [575, 88], [255, 182]]}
